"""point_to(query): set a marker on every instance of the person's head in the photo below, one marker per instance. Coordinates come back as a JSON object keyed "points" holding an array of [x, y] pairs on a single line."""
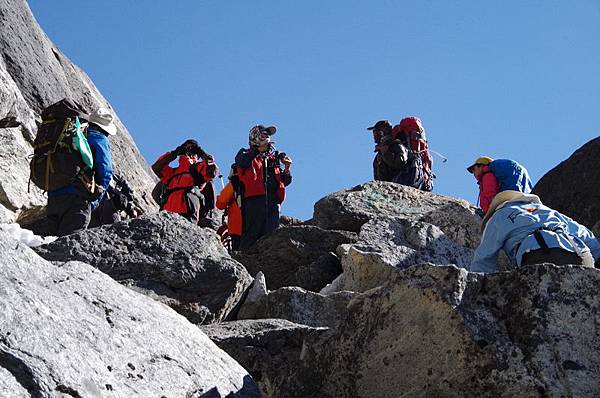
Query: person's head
{"points": [[260, 136], [477, 168], [380, 129], [101, 118]]}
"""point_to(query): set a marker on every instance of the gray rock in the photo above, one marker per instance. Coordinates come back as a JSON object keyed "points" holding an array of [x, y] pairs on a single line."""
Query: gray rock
{"points": [[298, 305], [350, 209], [387, 245], [572, 186], [7, 216], [33, 75], [71, 330], [271, 350], [298, 255], [444, 332], [164, 256]]}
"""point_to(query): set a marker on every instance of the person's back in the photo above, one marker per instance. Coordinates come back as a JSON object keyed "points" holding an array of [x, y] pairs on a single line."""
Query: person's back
{"points": [[530, 232], [227, 200]]}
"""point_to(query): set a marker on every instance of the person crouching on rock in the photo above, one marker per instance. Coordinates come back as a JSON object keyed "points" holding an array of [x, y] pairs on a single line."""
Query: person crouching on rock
{"points": [[531, 233], [263, 184], [391, 157], [189, 186]]}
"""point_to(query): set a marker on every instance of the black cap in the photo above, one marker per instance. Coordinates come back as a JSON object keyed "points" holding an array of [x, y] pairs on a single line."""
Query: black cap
{"points": [[269, 130], [382, 125]]}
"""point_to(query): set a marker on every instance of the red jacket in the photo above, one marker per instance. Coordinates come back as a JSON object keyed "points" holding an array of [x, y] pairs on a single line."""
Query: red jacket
{"points": [[227, 200], [488, 188], [252, 178], [180, 181]]}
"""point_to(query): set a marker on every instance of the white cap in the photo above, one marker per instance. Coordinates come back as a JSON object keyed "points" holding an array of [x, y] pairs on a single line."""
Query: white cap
{"points": [[104, 119]]}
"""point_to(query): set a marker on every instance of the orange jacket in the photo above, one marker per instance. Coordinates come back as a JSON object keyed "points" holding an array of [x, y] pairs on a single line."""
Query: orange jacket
{"points": [[227, 200], [488, 188], [180, 181]]}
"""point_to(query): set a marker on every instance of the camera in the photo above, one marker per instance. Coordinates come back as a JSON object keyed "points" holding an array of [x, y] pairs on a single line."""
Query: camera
{"points": [[280, 156]]}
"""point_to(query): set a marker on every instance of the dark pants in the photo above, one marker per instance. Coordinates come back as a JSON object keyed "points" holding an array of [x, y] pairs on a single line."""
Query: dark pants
{"points": [[235, 242], [194, 203], [557, 256], [68, 214], [259, 219], [105, 213]]}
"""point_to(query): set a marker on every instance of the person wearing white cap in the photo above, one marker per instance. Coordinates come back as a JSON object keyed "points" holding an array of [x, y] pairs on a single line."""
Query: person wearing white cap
{"points": [[531, 233], [69, 208]]}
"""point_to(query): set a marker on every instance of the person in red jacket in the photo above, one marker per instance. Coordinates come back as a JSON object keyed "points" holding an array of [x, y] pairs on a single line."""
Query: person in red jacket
{"points": [[263, 184], [228, 201], [487, 181], [188, 182]]}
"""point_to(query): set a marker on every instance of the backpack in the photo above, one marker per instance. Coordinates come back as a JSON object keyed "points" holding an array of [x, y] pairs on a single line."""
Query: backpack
{"points": [[61, 154], [419, 173], [511, 175]]}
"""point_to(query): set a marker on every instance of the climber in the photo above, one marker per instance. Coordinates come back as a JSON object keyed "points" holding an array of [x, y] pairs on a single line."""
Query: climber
{"points": [[531, 233], [230, 200], [392, 155], [263, 184], [118, 201], [69, 208], [498, 175], [189, 189]]}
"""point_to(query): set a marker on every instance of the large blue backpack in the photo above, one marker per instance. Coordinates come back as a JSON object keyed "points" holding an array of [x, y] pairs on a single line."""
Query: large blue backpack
{"points": [[511, 175]]}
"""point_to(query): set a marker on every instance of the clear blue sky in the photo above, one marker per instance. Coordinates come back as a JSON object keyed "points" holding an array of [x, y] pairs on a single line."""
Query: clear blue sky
{"points": [[515, 79]]}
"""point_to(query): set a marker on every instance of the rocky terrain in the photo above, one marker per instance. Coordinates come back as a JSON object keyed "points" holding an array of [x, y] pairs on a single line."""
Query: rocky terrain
{"points": [[372, 297]]}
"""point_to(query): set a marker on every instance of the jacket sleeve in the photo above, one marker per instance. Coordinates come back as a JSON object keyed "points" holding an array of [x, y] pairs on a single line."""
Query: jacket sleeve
{"points": [[206, 171], [488, 188], [486, 254], [226, 197], [286, 178], [103, 166], [161, 166], [583, 233], [396, 155], [245, 157]]}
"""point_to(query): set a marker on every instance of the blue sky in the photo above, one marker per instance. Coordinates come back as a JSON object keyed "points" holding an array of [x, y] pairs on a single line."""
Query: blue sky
{"points": [[512, 79]]}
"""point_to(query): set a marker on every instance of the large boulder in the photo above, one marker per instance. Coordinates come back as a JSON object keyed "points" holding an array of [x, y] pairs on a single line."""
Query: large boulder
{"points": [[271, 350], [348, 210], [572, 186], [297, 255], [297, 305], [164, 256], [389, 244], [444, 332], [71, 331], [33, 75]]}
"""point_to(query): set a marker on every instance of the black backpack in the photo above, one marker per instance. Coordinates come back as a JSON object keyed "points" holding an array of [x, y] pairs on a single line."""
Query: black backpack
{"points": [[56, 163]]}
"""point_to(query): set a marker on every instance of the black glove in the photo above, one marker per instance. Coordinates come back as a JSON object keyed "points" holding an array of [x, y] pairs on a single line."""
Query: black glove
{"points": [[180, 150]]}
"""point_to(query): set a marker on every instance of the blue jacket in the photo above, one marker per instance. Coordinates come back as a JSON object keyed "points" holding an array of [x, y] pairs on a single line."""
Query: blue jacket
{"points": [[511, 229], [103, 166]]}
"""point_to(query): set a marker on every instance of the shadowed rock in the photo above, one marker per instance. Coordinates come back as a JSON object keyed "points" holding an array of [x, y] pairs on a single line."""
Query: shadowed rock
{"points": [[299, 255], [164, 256], [572, 186], [271, 350], [71, 330]]}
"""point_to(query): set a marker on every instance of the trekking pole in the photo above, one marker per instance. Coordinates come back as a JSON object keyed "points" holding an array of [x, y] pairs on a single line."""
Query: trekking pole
{"points": [[444, 159], [222, 182]]}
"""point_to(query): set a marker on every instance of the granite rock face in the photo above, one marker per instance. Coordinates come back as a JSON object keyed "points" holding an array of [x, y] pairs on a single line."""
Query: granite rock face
{"points": [[164, 256], [272, 349], [348, 210], [71, 331], [33, 75], [297, 255], [572, 186], [441, 331]]}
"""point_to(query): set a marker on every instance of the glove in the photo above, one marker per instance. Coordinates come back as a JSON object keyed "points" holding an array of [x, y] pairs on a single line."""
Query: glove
{"points": [[180, 150]]}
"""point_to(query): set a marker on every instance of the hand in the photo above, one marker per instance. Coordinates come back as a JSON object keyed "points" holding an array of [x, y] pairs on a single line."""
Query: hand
{"points": [[287, 162], [180, 150]]}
